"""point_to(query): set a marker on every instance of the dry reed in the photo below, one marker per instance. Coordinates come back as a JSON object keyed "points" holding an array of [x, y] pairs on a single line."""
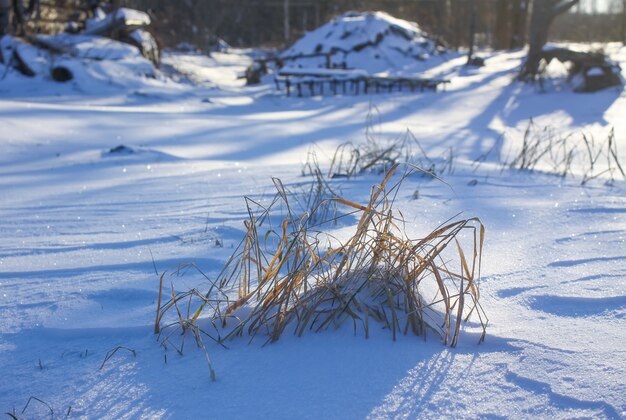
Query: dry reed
{"points": [[289, 274], [543, 148], [378, 154]]}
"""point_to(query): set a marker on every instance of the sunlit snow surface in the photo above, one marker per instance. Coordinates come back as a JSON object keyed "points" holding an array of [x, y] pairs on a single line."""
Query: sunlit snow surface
{"points": [[79, 227]]}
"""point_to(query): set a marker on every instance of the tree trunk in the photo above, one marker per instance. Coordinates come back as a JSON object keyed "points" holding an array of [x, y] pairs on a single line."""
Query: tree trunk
{"points": [[542, 16], [540, 22], [286, 27], [518, 24], [455, 25], [624, 21], [472, 32], [503, 25], [5, 17]]}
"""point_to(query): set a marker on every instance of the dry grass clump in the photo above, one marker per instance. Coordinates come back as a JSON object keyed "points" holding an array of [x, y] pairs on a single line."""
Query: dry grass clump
{"points": [[378, 154], [288, 275]]}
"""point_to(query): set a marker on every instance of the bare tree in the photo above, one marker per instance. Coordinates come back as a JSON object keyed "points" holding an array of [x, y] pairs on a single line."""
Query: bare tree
{"points": [[543, 14], [286, 19], [472, 32], [502, 33], [510, 25], [624, 21], [518, 23]]}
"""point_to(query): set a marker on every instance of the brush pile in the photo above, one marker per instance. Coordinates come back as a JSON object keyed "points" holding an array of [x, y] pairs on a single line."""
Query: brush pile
{"points": [[370, 41], [589, 71], [107, 47], [290, 275]]}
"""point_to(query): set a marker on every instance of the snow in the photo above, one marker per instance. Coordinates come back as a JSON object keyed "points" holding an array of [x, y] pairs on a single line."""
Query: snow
{"points": [[144, 39], [132, 15], [123, 17], [94, 61], [595, 71], [81, 226], [90, 46], [200, 69], [335, 73]]}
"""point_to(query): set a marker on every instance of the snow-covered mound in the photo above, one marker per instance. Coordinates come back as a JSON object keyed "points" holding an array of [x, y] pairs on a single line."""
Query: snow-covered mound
{"points": [[371, 41], [90, 47], [85, 59]]}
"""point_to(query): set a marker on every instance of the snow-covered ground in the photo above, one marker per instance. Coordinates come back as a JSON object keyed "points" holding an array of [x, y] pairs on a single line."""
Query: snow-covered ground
{"points": [[80, 228]]}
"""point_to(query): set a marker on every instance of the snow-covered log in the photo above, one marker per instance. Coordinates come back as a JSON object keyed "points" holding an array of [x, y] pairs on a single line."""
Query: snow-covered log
{"points": [[123, 18]]}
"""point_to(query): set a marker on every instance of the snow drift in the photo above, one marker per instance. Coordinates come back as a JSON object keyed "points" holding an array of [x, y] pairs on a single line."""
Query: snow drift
{"points": [[371, 41]]}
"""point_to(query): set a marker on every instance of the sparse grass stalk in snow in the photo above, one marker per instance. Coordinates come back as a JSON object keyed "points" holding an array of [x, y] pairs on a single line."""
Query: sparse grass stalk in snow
{"points": [[378, 154], [595, 152], [544, 149]]}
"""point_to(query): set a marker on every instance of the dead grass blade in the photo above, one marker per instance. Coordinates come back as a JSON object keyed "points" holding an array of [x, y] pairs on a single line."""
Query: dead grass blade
{"points": [[112, 352], [32, 398], [546, 150]]}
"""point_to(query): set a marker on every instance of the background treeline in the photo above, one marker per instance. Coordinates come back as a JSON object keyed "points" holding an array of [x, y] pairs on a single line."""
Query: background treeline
{"points": [[500, 24], [583, 27], [263, 22]]}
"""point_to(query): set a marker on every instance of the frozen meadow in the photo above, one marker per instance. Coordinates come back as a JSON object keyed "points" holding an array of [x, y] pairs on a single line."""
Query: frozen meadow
{"points": [[83, 229]]}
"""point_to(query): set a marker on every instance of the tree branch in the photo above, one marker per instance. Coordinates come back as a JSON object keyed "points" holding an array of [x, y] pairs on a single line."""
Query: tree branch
{"points": [[563, 6]]}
